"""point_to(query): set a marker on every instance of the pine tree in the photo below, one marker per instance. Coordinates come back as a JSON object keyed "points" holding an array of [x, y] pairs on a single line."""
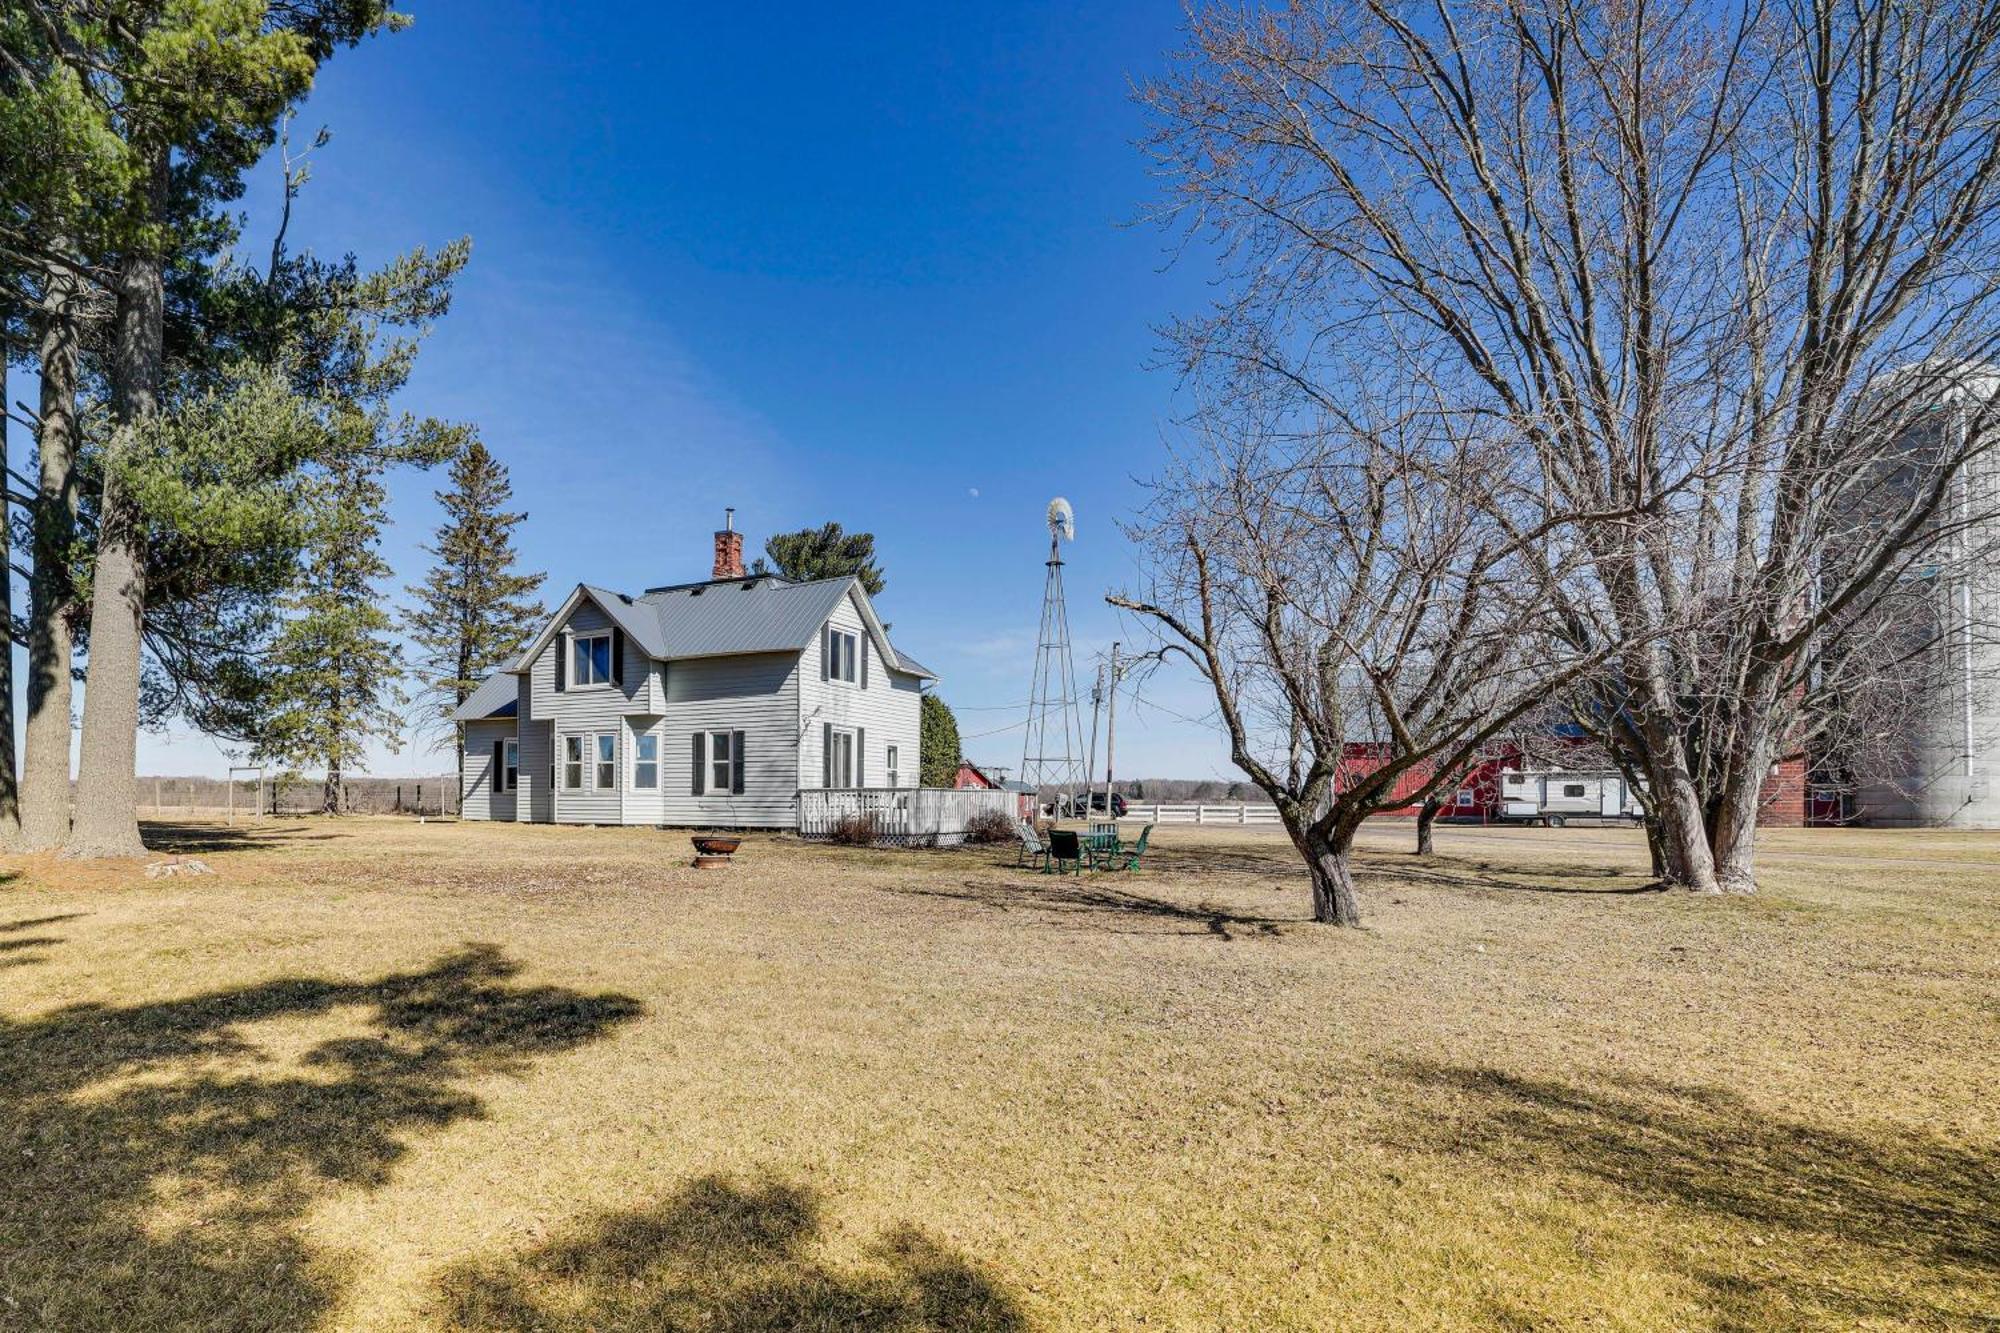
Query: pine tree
{"points": [[826, 552], [334, 668], [473, 611], [937, 743]]}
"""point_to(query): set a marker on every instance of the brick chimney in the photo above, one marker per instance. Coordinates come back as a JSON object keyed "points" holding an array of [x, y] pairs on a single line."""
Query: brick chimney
{"points": [[728, 549]]}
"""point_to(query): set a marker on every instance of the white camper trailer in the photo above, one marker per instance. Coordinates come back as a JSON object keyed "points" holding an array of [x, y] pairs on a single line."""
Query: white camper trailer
{"points": [[1555, 797]]}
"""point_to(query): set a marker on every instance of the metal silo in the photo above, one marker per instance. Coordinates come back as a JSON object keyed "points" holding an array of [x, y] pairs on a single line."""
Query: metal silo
{"points": [[1937, 760]]}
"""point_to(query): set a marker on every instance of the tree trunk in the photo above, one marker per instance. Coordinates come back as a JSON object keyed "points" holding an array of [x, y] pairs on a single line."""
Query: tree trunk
{"points": [[45, 776], [1656, 847], [1735, 818], [329, 796], [1328, 854], [107, 822], [10, 786], [1677, 807], [1427, 814]]}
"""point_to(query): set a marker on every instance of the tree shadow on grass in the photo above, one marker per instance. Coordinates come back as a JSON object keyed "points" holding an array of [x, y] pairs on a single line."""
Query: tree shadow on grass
{"points": [[18, 950], [30, 923], [157, 1158], [1486, 878], [726, 1257], [1093, 904], [192, 839], [1919, 1215]]}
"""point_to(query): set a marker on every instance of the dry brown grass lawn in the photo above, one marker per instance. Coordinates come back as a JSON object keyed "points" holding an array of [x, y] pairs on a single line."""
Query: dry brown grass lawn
{"points": [[384, 1075]]}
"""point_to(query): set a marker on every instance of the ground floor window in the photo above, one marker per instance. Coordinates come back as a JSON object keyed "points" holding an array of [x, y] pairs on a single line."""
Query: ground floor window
{"points": [[607, 761], [572, 763], [1465, 798], [839, 758], [721, 759], [893, 764], [646, 761], [510, 766]]}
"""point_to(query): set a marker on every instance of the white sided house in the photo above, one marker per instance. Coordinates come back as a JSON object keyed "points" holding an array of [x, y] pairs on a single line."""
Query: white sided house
{"points": [[705, 705]]}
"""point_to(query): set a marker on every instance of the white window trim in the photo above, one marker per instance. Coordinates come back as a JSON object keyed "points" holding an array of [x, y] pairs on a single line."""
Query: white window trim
{"points": [[610, 680], [582, 761], [597, 761], [639, 738], [727, 786], [848, 663], [844, 781]]}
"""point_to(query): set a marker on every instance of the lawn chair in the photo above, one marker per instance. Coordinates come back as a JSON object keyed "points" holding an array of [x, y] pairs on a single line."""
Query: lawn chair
{"points": [[1100, 845], [1127, 858], [1064, 845], [1033, 850]]}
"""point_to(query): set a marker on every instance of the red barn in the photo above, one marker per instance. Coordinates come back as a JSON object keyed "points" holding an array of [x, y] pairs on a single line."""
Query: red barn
{"points": [[1785, 801], [971, 777]]}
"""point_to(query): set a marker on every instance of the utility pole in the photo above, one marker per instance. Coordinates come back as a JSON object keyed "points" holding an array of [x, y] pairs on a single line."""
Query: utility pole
{"points": [[1110, 731], [1096, 706]]}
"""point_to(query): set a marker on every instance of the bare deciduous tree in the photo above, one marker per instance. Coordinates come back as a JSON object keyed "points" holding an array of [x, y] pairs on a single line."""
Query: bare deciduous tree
{"points": [[1678, 250], [1344, 581]]}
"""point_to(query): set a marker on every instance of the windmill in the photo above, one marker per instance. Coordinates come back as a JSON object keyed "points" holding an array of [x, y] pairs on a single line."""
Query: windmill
{"points": [[1052, 751]]}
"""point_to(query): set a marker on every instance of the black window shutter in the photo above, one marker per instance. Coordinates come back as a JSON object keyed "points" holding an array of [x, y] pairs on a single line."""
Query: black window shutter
{"points": [[864, 659], [861, 756], [562, 662], [826, 652], [736, 761], [826, 755], [618, 656], [499, 773], [698, 788]]}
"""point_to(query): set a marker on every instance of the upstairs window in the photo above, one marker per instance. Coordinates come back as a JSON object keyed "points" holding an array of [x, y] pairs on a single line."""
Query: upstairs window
{"points": [[590, 660], [843, 655]]}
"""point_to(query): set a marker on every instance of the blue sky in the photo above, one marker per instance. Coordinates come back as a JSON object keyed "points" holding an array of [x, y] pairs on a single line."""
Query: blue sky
{"points": [[871, 264]]}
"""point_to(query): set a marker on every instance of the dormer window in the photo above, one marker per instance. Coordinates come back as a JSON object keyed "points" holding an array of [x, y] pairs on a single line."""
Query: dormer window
{"points": [[590, 660]]}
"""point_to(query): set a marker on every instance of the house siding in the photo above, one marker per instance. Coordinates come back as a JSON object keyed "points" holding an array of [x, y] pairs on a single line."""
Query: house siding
{"points": [[774, 698], [583, 711], [756, 694], [479, 800], [887, 708]]}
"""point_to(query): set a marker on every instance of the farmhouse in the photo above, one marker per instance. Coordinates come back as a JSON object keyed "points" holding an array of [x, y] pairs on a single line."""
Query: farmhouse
{"points": [[710, 704]]}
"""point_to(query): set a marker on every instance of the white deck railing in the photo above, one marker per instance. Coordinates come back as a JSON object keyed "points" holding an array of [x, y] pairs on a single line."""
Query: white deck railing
{"points": [[925, 816]]}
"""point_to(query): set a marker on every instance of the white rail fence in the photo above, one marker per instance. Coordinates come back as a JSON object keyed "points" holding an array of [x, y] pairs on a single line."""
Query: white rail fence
{"points": [[1194, 812], [912, 816]]}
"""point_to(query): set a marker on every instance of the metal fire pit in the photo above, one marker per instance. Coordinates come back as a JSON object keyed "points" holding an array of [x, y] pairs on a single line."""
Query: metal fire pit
{"points": [[712, 852]]}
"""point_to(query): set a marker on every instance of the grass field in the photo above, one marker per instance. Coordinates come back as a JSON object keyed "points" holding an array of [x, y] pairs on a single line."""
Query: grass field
{"points": [[383, 1075]]}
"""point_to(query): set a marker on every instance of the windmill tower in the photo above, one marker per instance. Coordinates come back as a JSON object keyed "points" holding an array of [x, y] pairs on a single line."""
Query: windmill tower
{"points": [[1052, 751]]}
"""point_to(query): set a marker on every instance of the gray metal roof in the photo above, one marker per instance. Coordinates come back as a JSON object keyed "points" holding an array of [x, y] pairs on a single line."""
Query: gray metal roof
{"points": [[758, 613], [640, 625], [497, 696], [749, 615], [913, 666], [754, 614]]}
